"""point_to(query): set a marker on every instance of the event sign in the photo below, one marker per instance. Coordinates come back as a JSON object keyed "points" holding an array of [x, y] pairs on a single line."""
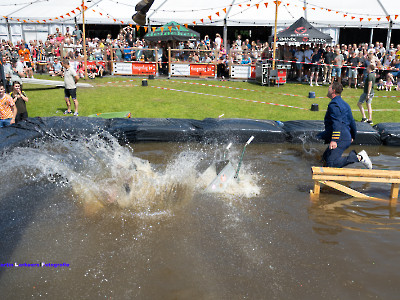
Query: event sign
{"points": [[134, 68]]}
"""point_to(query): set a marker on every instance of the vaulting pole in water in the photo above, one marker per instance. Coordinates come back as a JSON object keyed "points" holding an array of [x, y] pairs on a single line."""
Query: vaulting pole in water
{"points": [[241, 157]]}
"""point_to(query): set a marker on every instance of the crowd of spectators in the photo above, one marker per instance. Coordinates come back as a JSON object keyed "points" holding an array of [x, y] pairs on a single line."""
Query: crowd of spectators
{"points": [[310, 63]]}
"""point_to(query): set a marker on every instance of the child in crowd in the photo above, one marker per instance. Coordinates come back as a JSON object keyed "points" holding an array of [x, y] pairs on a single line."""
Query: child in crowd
{"points": [[389, 84], [381, 85]]}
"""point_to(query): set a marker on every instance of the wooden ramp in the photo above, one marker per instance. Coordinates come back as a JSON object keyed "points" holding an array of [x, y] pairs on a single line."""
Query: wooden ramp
{"points": [[52, 82], [329, 176]]}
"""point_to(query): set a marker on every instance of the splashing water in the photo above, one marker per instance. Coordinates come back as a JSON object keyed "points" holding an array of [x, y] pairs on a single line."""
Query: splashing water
{"points": [[101, 174]]}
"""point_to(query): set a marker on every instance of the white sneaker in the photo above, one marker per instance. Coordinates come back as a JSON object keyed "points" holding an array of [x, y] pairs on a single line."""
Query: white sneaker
{"points": [[316, 84], [310, 84], [365, 159]]}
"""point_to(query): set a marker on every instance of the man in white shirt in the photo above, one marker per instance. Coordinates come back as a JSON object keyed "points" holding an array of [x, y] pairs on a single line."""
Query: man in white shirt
{"points": [[307, 59], [299, 56], [70, 80]]}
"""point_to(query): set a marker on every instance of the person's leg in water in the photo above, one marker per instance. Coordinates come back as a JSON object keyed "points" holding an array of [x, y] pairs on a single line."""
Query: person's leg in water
{"points": [[334, 159], [142, 8]]}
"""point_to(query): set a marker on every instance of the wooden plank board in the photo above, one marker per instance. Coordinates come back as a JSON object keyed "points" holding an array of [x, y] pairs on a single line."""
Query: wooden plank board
{"points": [[348, 190], [358, 179], [355, 172]]}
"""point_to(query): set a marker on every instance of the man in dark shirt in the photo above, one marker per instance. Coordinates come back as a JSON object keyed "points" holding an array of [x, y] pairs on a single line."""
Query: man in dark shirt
{"points": [[340, 131], [328, 59], [352, 62]]}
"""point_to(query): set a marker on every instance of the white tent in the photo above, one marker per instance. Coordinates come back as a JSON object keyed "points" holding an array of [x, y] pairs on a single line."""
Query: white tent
{"points": [[35, 17]]}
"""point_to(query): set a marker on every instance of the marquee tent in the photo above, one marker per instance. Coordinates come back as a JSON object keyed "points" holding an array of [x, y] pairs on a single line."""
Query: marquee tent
{"points": [[302, 32], [40, 16], [320, 13], [171, 31]]}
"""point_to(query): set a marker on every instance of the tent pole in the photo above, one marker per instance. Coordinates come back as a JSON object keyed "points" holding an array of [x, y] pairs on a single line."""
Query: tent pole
{"points": [[276, 24], [371, 36], [389, 35], [305, 9], [8, 29], [84, 39], [225, 35]]}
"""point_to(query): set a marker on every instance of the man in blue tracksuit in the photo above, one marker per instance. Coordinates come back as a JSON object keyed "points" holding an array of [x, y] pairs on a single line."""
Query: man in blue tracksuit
{"points": [[340, 131]]}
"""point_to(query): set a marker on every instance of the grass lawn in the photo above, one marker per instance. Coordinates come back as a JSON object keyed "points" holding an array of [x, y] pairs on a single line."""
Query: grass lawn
{"points": [[199, 99]]}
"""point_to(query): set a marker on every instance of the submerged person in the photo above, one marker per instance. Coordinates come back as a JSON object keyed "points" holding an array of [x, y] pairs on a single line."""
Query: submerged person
{"points": [[340, 131], [142, 8], [20, 100]]}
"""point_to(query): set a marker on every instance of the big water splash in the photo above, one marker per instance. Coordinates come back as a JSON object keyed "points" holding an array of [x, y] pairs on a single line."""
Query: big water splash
{"points": [[100, 174]]}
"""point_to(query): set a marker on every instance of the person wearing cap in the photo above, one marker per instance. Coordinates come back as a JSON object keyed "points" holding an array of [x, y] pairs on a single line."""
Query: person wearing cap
{"points": [[340, 131]]}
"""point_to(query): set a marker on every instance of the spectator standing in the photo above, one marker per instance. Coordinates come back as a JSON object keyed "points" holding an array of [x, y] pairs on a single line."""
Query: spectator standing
{"points": [[315, 67], [20, 99], [307, 59], [70, 80], [337, 67], [218, 42], [368, 94], [299, 56], [353, 63], [8, 110]]}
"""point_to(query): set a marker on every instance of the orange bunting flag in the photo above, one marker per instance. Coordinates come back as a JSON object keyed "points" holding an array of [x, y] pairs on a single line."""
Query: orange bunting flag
{"points": [[178, 26], [38, 21], [396, 16], [266, 4], [217, 13], [93, 10], [115, 20], [73, 11], [137, 27], [145, 29], [224, 9], [353, 18], [257, 5], [170, 28], [56, 18], [378, 19], [202, 20], [287, 4], [162, 29], [240, 5], [85, 7], [101, 14], [153, 28], [248, 5], [329, 10], [369, 19], [186, 25], [313, 8], [279, 2], [130, 25], [24, 21], [78, 8], [68, 14], [337, 12], [304, 8], [345, 16], [361, 19], [18, 20], [122, 22], [50, 19], [44, 21], [388, 18], [194, 22], [209, 17]]}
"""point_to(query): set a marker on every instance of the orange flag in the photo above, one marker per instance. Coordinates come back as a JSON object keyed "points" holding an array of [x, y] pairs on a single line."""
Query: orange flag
{"points": [[178, 26], [170, 28], [378, 19], [396, 16], [279, 2], [266, 4], [388, 18], [209, 18], [240, 5], [73, 11], [353, 18], [115, 20], [145, 29], [257, 5], [224, 9], [313, 8], [329, 10], [249, 5], [93, 10], [194, 22], [369, 19], [154, 28], [68, 14], [361, 19], [345, 16], [162, 29], [202, 20], [137, 27], [304, 8], [217, 13], [186, 25]]}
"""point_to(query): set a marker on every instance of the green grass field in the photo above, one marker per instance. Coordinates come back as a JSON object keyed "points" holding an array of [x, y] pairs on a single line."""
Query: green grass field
{"points": [[200, 99]]}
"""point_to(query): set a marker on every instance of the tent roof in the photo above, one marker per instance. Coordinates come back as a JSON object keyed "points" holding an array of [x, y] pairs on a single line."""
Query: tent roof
{"points": [[172, 31], [320, 13], [303, 32]]}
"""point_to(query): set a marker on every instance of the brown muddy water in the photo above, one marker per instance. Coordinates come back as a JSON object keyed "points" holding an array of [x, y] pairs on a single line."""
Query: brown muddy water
{"points": [[134, 222]]}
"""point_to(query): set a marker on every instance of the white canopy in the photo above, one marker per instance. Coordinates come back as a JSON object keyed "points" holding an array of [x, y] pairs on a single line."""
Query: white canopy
{"points": [[320, 13]]}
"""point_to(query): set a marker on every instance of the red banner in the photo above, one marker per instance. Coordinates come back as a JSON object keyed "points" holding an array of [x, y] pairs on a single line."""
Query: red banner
{"points": [[253, 72], [144, 68], [202, 70]]}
